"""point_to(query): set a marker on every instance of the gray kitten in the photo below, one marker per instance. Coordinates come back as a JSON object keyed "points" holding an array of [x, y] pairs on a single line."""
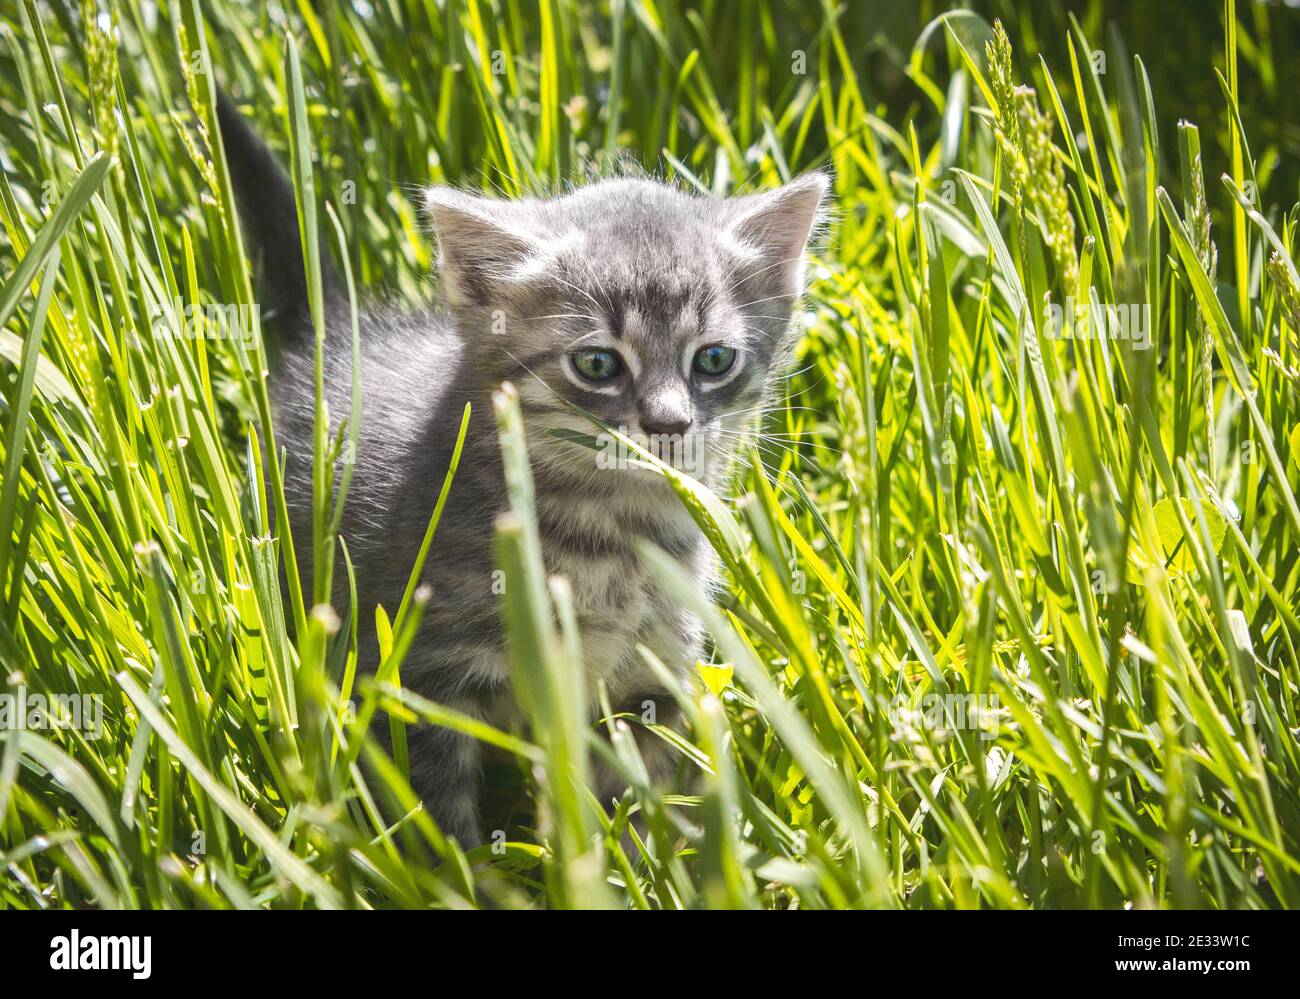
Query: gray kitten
{"points": [[665, 314]]}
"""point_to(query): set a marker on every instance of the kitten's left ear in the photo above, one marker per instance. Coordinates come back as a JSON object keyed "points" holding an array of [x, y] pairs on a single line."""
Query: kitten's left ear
{"points": [[769, 233]]}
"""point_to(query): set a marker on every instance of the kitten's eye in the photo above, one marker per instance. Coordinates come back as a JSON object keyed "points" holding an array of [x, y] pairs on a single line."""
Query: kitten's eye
{"points": [[714, 360], [598, 365]]}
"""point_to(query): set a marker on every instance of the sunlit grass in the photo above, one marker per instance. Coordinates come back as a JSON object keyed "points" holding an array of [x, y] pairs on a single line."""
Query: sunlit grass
{"points": [[1011, 619]]}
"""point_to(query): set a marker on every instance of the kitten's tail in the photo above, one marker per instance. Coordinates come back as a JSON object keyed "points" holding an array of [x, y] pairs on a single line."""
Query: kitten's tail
{"points": [[269, 216]]}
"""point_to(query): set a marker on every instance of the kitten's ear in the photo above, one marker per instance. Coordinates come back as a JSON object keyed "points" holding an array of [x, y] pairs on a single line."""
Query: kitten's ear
{"points": [[770, 231], [485, 254]]}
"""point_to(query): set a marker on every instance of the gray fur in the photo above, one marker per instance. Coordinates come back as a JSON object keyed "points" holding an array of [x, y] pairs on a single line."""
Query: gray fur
{"points": [[631, 264]]}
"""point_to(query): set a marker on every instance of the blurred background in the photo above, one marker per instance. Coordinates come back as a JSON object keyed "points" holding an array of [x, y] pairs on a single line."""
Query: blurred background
{"points": [[712, 83], [1180, 43]]}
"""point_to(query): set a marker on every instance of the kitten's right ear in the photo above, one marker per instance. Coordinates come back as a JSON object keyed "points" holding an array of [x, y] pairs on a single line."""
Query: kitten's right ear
{"points": [[484, 254], [769, 232]]}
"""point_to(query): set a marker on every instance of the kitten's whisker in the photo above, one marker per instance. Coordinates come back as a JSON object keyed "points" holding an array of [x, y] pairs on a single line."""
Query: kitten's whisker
{"points": [[797, 372], [806, 388], [583, 291], [544, 383], [793, 448], [788, 440], [760, 301], [750, 275], [585, 336], [765, 410], [777, 481], [562, 315]]}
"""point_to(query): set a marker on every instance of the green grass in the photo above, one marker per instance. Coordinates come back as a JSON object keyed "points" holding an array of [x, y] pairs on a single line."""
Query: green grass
{"points": [[1011, 620]]}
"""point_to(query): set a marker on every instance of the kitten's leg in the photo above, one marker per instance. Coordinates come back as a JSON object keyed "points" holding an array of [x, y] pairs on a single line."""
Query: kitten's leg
{"points": [[446, 772], [446, 765], [637, 690], [653, 706]]}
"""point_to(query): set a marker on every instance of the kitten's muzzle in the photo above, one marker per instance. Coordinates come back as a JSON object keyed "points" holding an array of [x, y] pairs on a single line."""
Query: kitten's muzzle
{"points": [[665, 428], [666, 411]]}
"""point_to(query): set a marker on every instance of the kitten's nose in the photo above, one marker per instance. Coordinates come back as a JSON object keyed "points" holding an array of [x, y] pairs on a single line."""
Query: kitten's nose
{"points": [[667, 411], [674, 429]]}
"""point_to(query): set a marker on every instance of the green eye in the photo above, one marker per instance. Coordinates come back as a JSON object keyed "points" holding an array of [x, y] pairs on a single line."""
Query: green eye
{"points": [[598, 365], [715, 360]]}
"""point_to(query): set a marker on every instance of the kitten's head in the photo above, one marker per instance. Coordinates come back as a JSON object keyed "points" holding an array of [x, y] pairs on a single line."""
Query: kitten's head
{"points": [[665, 314]]}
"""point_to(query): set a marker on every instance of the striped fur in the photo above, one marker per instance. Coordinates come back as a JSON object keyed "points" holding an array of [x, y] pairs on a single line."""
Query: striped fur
{"points": [[632, 265]]}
